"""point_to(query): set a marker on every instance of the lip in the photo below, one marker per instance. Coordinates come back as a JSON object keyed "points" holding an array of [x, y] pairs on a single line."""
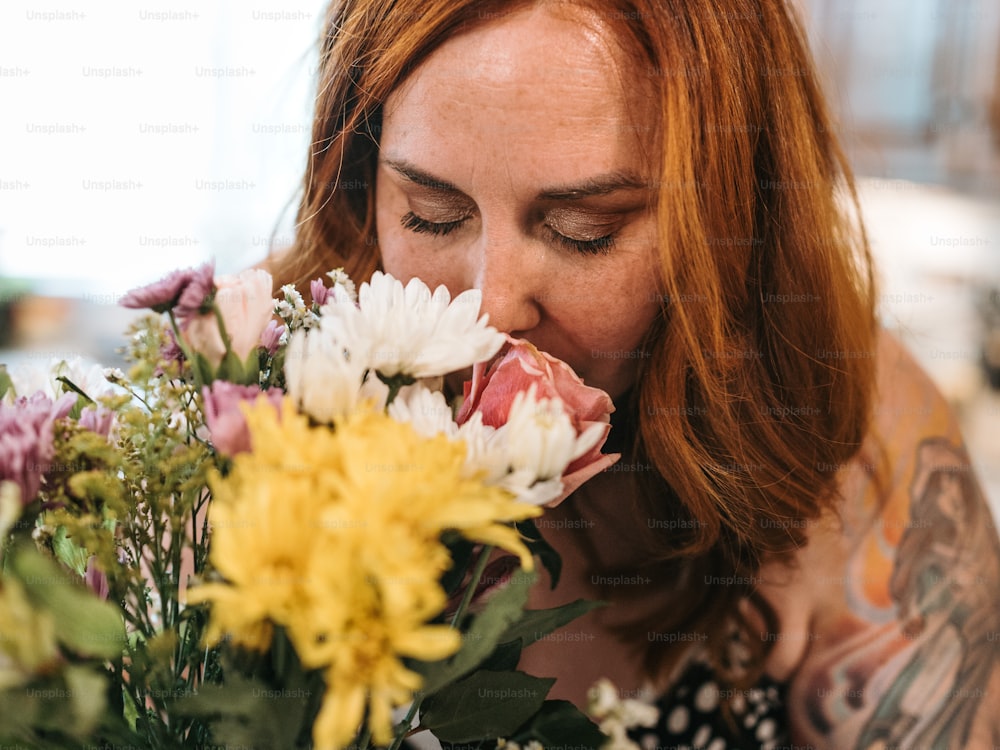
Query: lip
{"points": [[496, 575], [455, 381]]}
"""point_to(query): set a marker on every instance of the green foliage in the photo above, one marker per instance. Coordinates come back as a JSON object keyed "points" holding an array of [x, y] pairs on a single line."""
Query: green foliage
{"points": [[84, 624], [6, 384], [134, 508], [491, 704]]}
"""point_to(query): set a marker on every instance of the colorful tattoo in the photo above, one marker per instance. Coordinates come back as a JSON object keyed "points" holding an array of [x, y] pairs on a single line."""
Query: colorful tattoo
{"points": [[917, 668]]}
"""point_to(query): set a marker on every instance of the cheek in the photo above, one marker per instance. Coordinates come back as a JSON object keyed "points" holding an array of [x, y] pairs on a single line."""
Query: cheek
{"points": [[395, 247], [386, 229]]}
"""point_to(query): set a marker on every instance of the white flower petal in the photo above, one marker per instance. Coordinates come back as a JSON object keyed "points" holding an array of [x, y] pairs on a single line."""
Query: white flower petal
{"points": [[343, 285], [588, 439], [540, 435], [428, 411], [410, 330], [322, 377]]}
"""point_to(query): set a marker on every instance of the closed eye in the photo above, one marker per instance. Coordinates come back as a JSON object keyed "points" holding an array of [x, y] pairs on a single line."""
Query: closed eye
{"points": [[596, 246], [422, 226]]}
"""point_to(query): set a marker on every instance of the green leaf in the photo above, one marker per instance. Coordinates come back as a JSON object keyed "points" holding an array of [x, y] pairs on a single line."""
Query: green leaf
{"points": [[561, 724], [541, 549], [478, 642], [504, 657], [87, 691], [84, 623], [69, 552], [249, 713], [70, 387], [461, 555], [276, 372], [204, 373], [251, 368], [231, 369], [537, 623], [484, 704], [6, 384]]}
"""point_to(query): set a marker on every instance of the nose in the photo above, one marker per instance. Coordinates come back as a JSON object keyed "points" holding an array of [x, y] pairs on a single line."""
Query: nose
{"points": [[511, 277]]}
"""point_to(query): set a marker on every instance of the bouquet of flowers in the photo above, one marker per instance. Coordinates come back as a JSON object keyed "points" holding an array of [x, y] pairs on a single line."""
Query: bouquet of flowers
{"points": [[283, 534]]}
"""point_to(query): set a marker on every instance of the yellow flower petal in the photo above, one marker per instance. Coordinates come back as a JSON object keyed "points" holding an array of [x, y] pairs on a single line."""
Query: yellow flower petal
{"points": [[339, 717]]}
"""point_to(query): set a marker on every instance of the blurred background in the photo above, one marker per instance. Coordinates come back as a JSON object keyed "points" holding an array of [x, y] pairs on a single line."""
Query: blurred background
{"points": [[915, 85], [138, 137]]}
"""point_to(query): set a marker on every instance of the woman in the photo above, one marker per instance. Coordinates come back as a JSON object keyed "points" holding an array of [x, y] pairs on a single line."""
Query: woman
{"points": [[793, 544]]}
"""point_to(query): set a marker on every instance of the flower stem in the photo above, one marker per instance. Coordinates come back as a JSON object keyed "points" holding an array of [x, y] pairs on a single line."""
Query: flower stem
{"points": [[456, 620], [223, 333], [179, 338], [470, 591]]}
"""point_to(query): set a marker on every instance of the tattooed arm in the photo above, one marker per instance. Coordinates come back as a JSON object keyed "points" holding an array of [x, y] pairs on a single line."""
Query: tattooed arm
{"points": [[905, 641]]}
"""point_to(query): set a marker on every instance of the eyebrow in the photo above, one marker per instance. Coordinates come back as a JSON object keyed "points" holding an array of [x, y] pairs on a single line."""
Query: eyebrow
{"points": [[598, 185]]}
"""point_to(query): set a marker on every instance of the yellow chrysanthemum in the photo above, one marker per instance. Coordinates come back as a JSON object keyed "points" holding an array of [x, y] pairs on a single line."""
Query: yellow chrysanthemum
{"points": [[336, 536]]}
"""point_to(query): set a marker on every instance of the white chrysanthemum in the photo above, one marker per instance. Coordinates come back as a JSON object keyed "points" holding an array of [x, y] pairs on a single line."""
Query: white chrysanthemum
{"points": [[495, 455], [321, 377], [426, 410], [408, 330], [527, 456], [541, 436], [89, 377]]}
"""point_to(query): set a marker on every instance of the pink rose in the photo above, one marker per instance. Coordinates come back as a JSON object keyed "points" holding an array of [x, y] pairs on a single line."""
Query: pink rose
{"points": [[520, 365], [246, 304], [226, 422]]}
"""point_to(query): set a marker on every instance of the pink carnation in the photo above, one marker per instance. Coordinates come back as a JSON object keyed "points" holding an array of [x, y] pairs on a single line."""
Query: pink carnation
{"points": [[226, 422]]}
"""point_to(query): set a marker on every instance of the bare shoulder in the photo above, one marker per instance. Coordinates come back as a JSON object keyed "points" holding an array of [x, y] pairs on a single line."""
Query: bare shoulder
{"points": [[904, 619]]}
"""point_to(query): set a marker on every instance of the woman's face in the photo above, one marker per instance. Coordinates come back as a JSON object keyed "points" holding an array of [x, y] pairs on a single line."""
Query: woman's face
{"points": [[514, 162]]}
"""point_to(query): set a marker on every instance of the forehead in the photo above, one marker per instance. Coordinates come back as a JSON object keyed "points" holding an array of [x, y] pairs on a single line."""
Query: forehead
{"points": [[553, 79]]}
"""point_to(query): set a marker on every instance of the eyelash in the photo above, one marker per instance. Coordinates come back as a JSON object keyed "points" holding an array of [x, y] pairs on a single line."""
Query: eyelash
{"points": [[599, 246], [421, 226]]}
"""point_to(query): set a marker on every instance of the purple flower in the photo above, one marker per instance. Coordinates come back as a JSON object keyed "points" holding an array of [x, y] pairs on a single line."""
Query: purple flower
{"points": [[26, 439], [270, 337], [196, 298], [171, 351], [97, 419], [163, 295], [226, 421], [318, 292], [95, 579]]}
